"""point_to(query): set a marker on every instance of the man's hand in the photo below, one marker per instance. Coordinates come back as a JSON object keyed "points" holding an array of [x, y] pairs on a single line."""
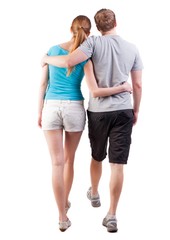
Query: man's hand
{"points": [[43, 60], [135, 118]]}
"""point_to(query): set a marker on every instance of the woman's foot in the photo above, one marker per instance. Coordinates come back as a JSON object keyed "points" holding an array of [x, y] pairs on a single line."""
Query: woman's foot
{"points": [[64, 225]]}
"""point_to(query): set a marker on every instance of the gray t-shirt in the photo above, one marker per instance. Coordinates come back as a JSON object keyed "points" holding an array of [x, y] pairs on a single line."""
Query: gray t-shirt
{"points": [[113, 59]]}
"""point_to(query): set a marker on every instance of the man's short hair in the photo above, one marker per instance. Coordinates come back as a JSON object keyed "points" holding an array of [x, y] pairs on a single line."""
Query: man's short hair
{"points": [[105, 20]]}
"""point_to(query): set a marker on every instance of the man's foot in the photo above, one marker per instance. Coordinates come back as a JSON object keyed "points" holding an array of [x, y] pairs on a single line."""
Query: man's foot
{"points": [[95, 199], [110, 222], [64, 225]]}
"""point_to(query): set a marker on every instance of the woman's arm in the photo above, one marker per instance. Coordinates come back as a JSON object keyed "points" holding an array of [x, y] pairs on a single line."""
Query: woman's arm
{"points": [[102, 92], [42, 90]]}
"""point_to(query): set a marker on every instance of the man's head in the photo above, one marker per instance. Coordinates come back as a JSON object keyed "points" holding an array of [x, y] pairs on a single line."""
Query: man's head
{"points": [[105, 20]]}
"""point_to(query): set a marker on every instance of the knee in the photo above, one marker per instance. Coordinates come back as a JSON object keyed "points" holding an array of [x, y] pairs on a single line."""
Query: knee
{"points": [[117, 167], [69, 159], [69, 162], [57, 162], [96, 162]]}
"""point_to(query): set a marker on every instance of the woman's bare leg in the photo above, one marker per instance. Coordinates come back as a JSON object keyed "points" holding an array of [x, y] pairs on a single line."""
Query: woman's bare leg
{"points": [[71, 142], [54, 140]]}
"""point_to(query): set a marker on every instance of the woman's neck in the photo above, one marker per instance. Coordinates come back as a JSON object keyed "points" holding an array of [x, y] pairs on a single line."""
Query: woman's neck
{"points": [[67, 45]]}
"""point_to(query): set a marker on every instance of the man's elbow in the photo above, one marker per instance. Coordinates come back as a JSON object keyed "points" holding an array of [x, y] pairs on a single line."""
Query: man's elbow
{"points": [[138, 85], [69, 62]]}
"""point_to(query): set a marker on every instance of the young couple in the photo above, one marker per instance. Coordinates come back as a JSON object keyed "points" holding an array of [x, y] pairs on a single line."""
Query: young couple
{"points": [[107, 61]]}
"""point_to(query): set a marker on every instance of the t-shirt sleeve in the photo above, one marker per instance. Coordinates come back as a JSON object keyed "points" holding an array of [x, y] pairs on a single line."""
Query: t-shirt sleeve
{"points": [[138, 65], [87, 46]]}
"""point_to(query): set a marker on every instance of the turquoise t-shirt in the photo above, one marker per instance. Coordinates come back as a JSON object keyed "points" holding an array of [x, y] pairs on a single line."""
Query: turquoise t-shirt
{"points": [[61, 86]]}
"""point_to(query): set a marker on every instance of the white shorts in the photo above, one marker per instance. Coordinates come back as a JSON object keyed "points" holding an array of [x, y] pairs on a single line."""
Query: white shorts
{"points": [[63, 114]]}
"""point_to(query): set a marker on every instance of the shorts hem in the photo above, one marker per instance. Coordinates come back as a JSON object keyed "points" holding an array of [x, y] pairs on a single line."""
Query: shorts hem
{"points": [[79, 130], [97, 159], [124, 163], [50, 129], [66, 130]]}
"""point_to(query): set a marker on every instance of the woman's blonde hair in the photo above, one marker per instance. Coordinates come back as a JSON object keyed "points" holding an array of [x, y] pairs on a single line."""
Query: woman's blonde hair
{"points": [[80, 28]]}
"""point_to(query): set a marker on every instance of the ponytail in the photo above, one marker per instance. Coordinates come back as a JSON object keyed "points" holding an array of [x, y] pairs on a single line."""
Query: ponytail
{"points": [[79, 37], [80, 27]]}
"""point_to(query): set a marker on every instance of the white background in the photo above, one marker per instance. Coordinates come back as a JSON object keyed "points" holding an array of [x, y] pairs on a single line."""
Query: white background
{"points": [[27, 207]]}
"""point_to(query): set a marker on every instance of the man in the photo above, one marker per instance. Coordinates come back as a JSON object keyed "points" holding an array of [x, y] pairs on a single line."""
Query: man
{"points": [[110, 118]]}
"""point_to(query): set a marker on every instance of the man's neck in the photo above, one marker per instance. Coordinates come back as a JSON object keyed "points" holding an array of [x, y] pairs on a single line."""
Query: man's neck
{"points": [[111, 32]]}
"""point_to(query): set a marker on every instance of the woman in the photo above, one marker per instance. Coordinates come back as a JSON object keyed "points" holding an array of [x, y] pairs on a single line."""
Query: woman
{"points": [[61, 111]]}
